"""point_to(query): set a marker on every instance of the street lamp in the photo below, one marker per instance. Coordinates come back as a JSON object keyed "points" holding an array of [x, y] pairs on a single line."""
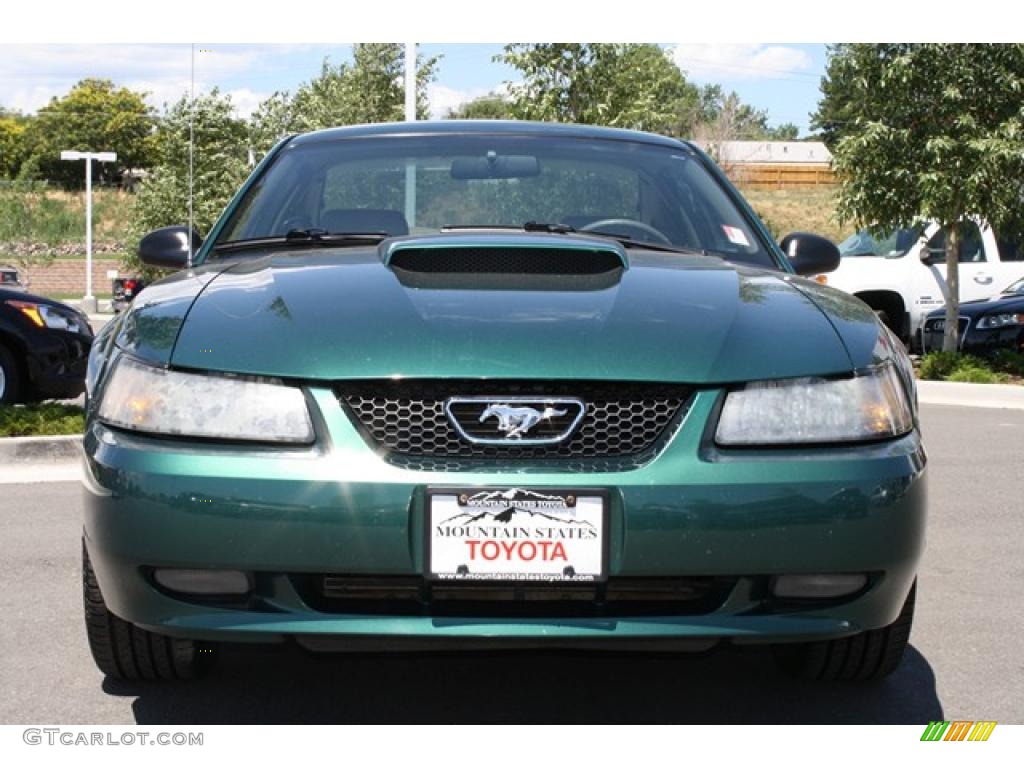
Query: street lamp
{"points": [[88, 301], [410, 116]]}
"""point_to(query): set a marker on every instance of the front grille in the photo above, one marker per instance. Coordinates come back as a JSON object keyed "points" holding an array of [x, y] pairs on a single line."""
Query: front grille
{"points": [[415, 596], [407, 420]]}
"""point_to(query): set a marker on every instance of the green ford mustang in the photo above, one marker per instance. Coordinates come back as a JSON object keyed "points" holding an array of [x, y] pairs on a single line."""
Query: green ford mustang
{"points": [[495, 384]]}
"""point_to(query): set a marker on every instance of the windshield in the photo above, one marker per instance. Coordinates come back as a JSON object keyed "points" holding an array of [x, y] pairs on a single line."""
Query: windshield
{"points": [[421, 184], [1017, 287], [892, 246]]}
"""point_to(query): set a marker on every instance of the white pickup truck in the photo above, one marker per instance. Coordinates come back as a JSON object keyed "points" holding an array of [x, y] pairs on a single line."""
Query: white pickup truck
{"points": [[903, 276]]}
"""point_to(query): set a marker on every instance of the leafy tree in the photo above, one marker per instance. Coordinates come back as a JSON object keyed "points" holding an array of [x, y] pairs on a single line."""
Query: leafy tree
{"points": [[367, 90], [13, 143], [94, 116], [493, 106], [727, 118], [219, 165], [836, 109], [932, 131], [627, 85], [784, 132]]}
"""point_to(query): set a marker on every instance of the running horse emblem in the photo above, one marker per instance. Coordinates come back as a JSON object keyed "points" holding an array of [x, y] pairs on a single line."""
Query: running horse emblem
{"points": [[516, 422]]}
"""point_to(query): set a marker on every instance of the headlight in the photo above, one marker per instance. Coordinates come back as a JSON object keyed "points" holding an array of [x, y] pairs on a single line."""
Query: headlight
{"points": [[869, 406], [147, 399], [1001, 320], [45, 316]]}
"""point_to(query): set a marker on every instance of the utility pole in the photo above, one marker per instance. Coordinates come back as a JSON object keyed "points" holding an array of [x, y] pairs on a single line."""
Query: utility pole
{"points": [[410, 82], [88, 301], [410, 116]]}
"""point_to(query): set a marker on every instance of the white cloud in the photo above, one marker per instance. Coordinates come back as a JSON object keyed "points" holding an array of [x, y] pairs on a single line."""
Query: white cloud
{"points": [[246, 100], [442, 98], [30, 75], [162, 92], [743, 61]]}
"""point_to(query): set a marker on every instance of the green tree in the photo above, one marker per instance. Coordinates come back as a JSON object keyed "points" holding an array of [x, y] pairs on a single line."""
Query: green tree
{"points": [[220, 154], [95, 116], [725, 117], [784, 132], [933, 131], [14, 147], [493, 106], [627, 85], [367, 90], [836, 109]]}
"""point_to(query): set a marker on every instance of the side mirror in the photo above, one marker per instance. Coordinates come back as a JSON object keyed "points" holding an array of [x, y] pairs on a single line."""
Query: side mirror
{"points": [[168, 247], [932, 256], [810, 254]]}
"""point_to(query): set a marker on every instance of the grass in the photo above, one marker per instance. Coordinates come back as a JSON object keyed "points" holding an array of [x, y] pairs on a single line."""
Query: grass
{"points": [[41, 419], [55, 217], [1005, 367], [798, 210]]}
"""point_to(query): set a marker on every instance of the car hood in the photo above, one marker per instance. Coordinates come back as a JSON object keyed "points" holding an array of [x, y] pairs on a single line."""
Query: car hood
{"points": [[8, 292], [344, 314], [1009, 303]]}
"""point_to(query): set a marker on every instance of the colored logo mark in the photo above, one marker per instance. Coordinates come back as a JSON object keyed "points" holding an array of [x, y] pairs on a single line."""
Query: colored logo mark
{"points": [[958, 730]]}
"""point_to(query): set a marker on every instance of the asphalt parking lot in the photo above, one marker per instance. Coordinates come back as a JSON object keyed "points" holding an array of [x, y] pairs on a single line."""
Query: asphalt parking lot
{"points": [[966, 660]]}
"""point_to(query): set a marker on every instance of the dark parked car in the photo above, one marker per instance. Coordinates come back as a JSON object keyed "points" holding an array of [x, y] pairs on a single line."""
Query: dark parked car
{"points": [[123, 290], [10, 280], [44, 348], [985, 326]]}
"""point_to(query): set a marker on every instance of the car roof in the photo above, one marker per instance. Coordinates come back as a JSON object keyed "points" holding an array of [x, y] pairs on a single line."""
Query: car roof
{"points": [[484, 127]]}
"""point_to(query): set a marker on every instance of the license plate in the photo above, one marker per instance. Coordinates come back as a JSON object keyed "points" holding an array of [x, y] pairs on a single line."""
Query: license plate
{"points": [[516, 534]]}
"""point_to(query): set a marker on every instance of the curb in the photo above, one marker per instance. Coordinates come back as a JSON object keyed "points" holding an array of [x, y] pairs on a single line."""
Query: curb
{"points": [[970, 395], [36, 450]]}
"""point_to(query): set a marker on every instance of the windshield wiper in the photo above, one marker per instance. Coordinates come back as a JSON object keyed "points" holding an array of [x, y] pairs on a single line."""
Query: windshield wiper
{"points": [[565, 229], [625, 240], [303, 237], [554, 229]]}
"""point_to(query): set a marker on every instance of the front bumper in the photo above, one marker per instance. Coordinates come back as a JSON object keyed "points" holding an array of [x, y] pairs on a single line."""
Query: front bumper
{"points": [[976, 341], [56, 362], [742, 517]]}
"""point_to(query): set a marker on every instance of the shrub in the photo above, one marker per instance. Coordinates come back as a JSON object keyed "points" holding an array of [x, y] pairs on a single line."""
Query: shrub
{"points": [[936, 366], [1009, 361], [41, 419], [951, 366], [975, 374]]}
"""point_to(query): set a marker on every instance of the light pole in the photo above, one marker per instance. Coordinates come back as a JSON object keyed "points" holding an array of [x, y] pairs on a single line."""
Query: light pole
{"points": [[88, 301], [410, 116]]}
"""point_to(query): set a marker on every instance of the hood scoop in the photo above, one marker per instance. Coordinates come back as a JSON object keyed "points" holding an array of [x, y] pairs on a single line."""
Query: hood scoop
{"points": [[506, 262]]}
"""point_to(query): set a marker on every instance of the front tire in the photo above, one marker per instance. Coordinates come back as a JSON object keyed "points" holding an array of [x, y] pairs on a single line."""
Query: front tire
{"points": [[126, 652], [10, 377], [868, 656]]}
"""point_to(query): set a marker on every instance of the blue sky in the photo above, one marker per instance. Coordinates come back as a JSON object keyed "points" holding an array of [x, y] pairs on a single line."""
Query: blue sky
{"points": [[780, 78]]}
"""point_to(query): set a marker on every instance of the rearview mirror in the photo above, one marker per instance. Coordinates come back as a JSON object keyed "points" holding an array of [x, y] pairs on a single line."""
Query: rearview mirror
{"points": [[493, 166], [168, 247], [810, 254]]}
